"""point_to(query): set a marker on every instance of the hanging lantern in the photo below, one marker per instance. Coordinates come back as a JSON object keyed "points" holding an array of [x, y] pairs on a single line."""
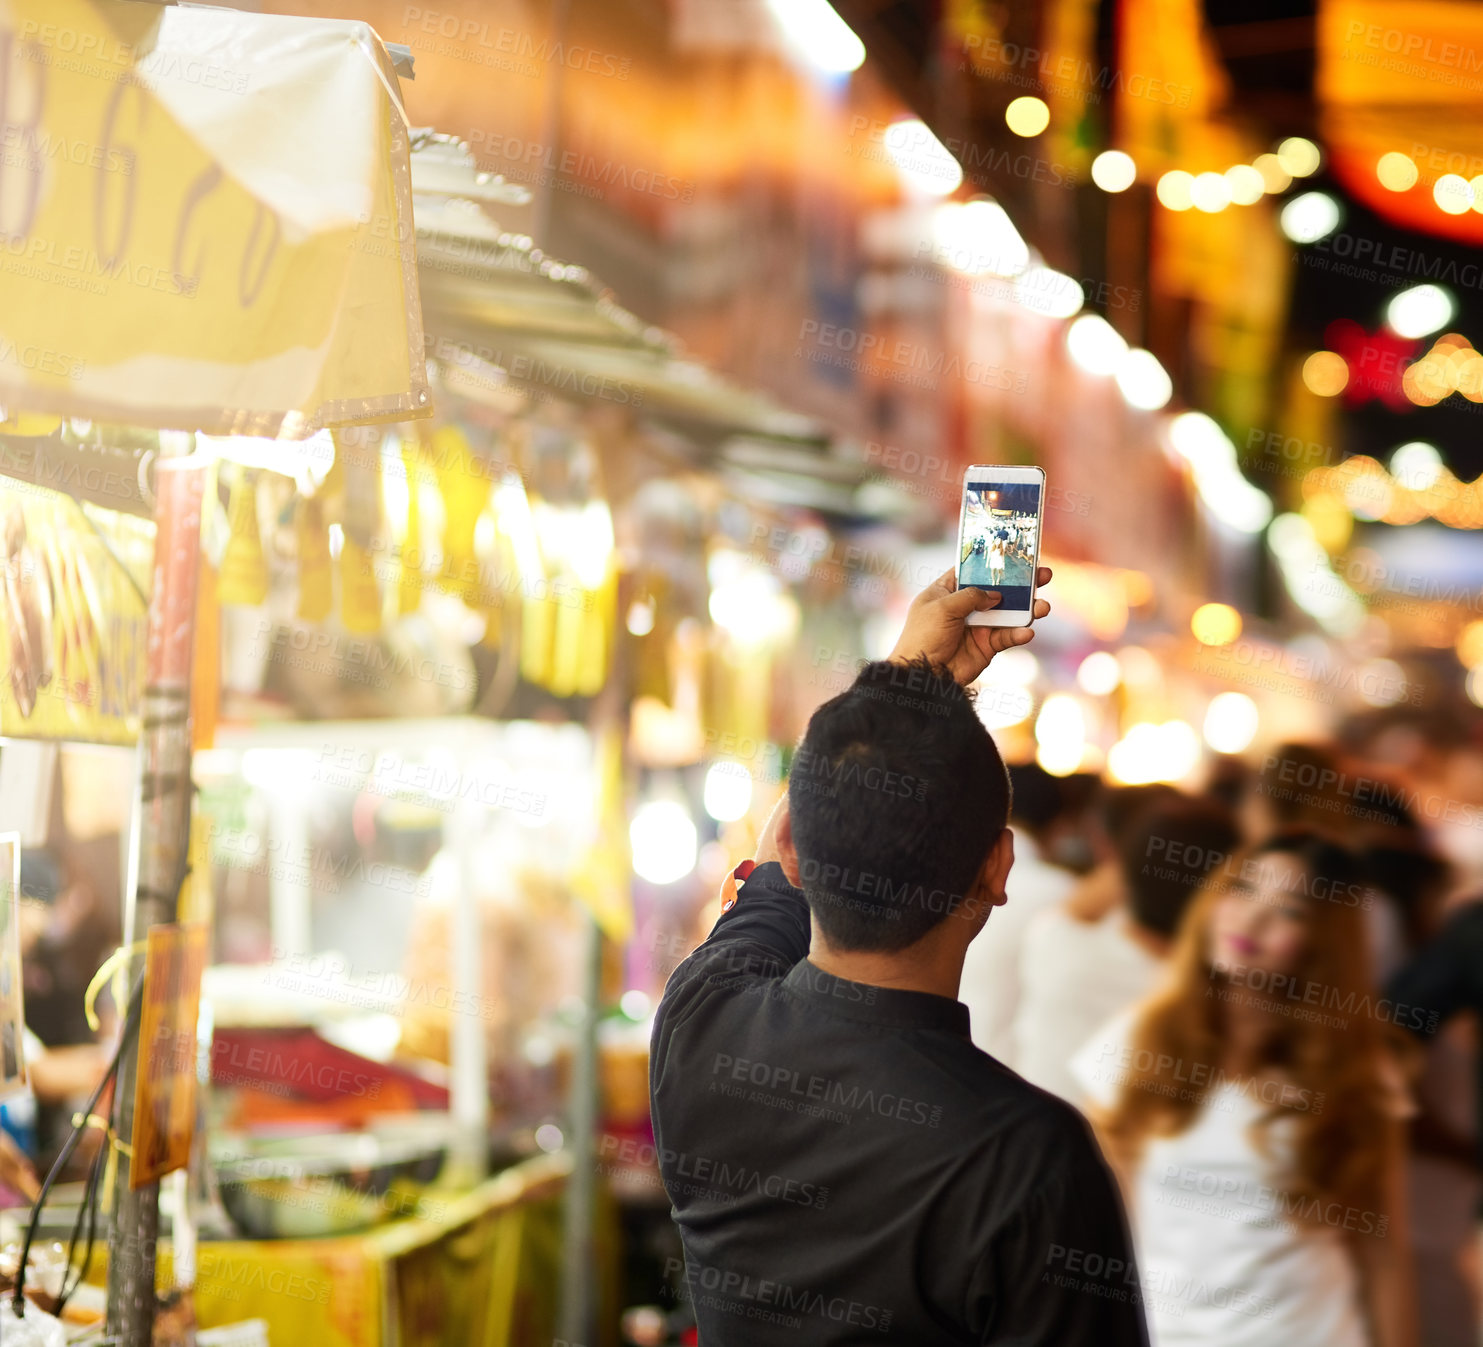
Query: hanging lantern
{"points": [[244, 568], [315, 564]]}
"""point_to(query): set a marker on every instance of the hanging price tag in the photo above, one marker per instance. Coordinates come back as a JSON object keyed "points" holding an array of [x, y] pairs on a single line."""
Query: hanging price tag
{"points": [[165, 1091]]}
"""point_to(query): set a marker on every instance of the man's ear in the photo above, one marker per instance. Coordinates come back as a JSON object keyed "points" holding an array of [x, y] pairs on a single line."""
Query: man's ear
{"points": [[996, 867], [787, 852], [988, 887]]}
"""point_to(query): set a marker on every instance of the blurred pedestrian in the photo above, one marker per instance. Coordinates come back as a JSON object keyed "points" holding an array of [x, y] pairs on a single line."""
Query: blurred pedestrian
{"points": [[1297, 786], [991, 982], [1101, 889], [1255, 1114], [1076, 975]]}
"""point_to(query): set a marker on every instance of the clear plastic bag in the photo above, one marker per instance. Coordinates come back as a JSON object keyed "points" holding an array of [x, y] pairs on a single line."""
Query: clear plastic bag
{"points": [[36, 1329]]}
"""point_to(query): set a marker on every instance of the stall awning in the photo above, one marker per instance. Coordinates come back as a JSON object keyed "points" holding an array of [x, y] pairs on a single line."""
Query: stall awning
{"points": [[205, 220], [496, 302]]}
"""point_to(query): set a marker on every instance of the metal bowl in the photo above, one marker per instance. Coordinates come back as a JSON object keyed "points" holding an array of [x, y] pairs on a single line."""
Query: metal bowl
{"points": [[315, 1187]]}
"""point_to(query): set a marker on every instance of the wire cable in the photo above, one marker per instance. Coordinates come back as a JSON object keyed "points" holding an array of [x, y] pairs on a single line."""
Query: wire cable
{"points": [[88, 1208], [131, 1026]]}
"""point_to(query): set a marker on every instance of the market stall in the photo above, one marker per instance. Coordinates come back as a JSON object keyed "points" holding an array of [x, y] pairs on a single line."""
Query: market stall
{"points": [[209, 286]]}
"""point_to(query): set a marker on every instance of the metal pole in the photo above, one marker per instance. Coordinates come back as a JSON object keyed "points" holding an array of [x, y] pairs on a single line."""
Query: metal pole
{"points": [[468, 1049], [290, 911], [164, 804], [578, 1319], [540, 219]]}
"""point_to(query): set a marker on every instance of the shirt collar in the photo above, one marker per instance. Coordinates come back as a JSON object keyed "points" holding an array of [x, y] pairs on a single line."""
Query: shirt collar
{"points": [[887, 1006]]}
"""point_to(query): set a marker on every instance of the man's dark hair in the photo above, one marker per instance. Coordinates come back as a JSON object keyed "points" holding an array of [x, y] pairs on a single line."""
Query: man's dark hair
{"points": [[896, 795], [1166, 853]]}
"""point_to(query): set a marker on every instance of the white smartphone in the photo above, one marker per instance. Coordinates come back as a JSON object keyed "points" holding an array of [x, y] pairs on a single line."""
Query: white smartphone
{"points": [[999, 539]]}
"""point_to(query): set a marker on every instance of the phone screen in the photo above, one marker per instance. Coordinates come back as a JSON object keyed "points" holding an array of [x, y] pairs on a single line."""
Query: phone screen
{"points": [[1001, 533]]}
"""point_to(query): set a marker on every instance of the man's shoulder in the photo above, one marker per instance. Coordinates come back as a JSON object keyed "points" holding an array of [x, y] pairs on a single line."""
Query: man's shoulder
{"points": [[1015, 1148], [998, 1104], [718, 963], [716, 972]]}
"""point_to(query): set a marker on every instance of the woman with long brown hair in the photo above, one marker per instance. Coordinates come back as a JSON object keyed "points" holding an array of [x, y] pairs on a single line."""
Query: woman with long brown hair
{"points": [[1252, 1108]]}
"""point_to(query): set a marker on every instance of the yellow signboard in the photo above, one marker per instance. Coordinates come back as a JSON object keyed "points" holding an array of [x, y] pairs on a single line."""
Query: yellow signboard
{"points": [[205, 220]]}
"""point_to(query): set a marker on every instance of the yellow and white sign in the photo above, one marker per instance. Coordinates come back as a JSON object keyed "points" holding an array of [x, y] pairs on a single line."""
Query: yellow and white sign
{"points": [[205, 220]]}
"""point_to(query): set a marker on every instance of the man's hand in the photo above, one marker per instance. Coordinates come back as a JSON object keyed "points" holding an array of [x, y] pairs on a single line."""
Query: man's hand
{"points": [[936, 626]]}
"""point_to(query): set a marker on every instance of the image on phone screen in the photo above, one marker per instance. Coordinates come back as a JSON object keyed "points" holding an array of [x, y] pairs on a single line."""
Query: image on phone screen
{"points": [[999, 539]]}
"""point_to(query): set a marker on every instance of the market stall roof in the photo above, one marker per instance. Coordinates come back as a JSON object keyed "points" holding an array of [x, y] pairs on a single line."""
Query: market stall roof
{"points": [[212, 230], [495, 301], [507, 323], [840, 482], [481, 281]]}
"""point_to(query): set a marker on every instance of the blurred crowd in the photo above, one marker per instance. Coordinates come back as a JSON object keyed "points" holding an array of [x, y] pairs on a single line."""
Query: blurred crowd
{"points": [[1265, 997]]}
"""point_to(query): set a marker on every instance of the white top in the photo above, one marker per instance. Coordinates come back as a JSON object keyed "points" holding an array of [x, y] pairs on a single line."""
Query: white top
{"points": [[1222, 1258], [1074, 976], [991, 979]]}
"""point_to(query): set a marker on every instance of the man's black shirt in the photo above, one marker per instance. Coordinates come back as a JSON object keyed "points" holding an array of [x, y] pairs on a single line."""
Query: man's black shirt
{"points": [[847, 1168]]}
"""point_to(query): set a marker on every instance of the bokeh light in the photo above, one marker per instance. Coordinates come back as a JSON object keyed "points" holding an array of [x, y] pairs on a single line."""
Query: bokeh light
{"points": [[1049, 292], [664, 841], [728, 791], [1245, 184], [978, 238], [1275, 178], [1310, 217], [1114, 171], [1215, 624], [1015, 667], [1420, 310], [1149, 753], [1453, 194], [1144, 382], [1397, 172], [1325, 373], [925, 164], [1173, 190], [1416, 466], [1027, 116], [1470, 645], [814, 29], [1094, 344], [1139, 668], [1299, 157], [1060, 732], [1231, 722], [1099, 674], [1210, 192]]}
